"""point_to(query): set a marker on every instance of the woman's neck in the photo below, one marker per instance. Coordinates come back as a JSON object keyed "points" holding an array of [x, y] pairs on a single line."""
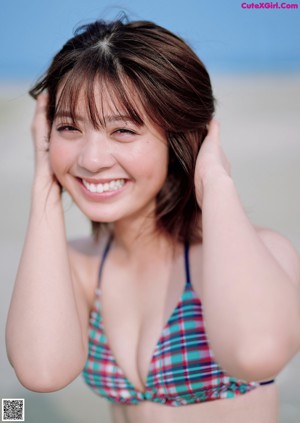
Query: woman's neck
{"points": [[140, 237]]}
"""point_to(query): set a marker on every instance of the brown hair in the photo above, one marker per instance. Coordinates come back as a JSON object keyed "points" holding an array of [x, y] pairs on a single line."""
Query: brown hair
{"points": [[172, 85]]}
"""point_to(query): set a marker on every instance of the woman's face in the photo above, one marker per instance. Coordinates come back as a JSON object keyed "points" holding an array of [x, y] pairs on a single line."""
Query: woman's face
{"points": [[111, 173]]}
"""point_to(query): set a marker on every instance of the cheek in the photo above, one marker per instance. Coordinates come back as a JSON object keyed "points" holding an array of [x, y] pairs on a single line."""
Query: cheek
{"points": [[151, 161], [158, 165], [60, 158]]}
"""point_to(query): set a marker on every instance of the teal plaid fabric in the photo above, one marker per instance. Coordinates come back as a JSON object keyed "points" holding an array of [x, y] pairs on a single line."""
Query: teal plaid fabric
{"points": [[182, 369]]}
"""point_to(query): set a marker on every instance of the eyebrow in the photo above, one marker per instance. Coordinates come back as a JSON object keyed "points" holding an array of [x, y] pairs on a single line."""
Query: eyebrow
{"points": [[107, 118]]}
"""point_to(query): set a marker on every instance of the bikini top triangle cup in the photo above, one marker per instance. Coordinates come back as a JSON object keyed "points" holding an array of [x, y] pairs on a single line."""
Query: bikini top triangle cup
{"points": [[182, 369]]}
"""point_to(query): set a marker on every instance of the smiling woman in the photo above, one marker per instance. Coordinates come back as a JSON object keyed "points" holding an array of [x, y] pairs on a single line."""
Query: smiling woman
{"points": [[127, 78], [176, 303], [132, 158]]}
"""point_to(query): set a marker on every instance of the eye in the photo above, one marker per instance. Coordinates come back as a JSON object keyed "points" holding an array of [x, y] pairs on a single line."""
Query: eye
{"points": [[66, 128], [124, 131], [124, 134]]}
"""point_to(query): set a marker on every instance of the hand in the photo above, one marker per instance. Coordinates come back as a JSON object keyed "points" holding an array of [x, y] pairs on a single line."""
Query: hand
{"points": [[41, 138], [211, 162]]}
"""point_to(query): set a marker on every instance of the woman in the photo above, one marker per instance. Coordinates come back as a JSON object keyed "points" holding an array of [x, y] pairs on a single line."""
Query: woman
{"points": [[121, 114]]}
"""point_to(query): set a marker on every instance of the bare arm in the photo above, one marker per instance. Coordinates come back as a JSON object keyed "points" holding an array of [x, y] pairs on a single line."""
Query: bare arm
{"points": [[47, 321], [250, 286]]}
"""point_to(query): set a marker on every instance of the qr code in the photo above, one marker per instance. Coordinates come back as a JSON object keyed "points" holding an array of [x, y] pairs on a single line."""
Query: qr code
{"points": [[13, 410]]}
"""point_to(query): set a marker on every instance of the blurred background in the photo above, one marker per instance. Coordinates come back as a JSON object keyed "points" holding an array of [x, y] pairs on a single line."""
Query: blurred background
{"points": [[253, 56]]}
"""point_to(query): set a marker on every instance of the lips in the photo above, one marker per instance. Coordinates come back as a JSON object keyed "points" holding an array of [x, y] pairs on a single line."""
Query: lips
{"points": [[110, 185]]}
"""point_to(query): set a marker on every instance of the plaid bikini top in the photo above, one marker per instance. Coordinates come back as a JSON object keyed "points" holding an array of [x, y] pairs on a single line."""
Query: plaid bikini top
{"points": [[182, 369]]}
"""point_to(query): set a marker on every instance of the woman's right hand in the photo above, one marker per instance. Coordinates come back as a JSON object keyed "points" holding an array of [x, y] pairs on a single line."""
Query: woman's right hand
{"points": [[40, 129]]}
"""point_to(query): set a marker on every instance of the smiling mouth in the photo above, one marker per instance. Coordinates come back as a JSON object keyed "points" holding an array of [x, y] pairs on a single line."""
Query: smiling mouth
{"points": [[113, 185]]}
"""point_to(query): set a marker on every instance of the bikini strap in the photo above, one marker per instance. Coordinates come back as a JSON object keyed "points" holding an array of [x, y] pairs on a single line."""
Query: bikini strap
{"points": [[104, 255], [187, 264]]}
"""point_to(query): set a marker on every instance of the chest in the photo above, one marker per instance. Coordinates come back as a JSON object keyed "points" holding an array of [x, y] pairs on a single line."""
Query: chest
{"points": [[147, 339], [134, 313]]}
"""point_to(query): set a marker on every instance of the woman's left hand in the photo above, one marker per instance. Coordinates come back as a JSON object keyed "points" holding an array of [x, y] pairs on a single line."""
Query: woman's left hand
{"points": [[211, 162]]}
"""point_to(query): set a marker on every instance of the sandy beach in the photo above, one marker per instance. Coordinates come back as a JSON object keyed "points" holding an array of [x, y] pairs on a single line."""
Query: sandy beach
{"points": [[260, 127]]}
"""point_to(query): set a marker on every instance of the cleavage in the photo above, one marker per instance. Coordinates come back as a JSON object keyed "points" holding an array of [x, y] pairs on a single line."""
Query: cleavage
{"points": [[133, 325]]}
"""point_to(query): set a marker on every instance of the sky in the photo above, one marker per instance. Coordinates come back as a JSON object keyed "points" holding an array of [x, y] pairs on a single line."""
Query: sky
{"points": [[227, 35]]}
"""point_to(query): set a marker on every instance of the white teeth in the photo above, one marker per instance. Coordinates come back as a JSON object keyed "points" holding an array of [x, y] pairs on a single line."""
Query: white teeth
{"points": [[99, 188], [108, 186]]}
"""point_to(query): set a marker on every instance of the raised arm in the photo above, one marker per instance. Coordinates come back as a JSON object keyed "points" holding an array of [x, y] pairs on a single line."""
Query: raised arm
{"points": [[250, 277], [46, 333]]}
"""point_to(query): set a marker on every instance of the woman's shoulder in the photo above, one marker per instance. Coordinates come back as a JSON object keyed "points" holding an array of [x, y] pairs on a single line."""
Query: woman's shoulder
{"points": [[85, 256], [277, 244], [282, 250], [87, 245]]}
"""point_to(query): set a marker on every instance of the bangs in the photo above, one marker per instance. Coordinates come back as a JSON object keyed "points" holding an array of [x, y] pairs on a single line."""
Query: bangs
{"points": [[100, 92]]}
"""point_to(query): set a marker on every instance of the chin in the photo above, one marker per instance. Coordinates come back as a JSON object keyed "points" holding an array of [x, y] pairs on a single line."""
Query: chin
{"points": [[102, 217], [107, 214], [115, 211]]}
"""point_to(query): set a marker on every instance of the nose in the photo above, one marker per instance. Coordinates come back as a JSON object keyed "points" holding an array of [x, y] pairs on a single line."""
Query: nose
{"points": [[96, 153]]}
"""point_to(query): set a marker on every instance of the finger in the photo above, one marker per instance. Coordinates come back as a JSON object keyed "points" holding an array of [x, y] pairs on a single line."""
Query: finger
{"points": [[40, 126], [41, 104]]}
